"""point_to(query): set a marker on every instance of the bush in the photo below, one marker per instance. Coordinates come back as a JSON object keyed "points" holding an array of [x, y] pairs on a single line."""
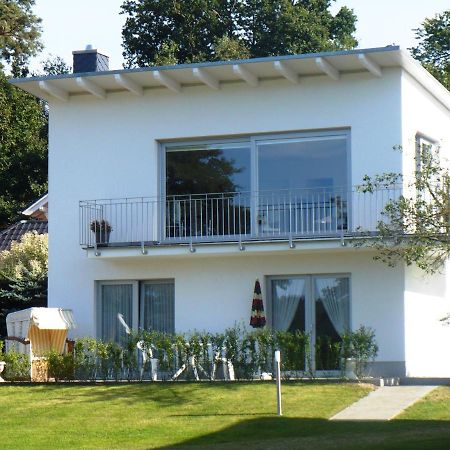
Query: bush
{"points": [[17, 366], [61, 367], [361, 346], [250, 352]]}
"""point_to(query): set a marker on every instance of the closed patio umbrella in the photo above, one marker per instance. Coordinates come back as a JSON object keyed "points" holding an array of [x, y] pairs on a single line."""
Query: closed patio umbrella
{"points": [[258, 318]]}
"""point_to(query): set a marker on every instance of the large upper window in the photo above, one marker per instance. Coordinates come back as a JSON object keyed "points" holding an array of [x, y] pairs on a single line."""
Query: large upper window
{"points": [[259, 185]]}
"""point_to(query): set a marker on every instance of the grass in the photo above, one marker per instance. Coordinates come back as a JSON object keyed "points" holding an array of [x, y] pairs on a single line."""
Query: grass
{"points": [[217, 416]]}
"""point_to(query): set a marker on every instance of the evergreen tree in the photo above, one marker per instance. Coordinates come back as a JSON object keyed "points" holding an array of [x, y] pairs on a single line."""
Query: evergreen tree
{"points": [[19, 34]]}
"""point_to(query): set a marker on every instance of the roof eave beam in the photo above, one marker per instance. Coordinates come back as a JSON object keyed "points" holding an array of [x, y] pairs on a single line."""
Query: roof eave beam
{"points": [[327, 68], [206, 78], [286, 71], [129, 85], [167, 81], [91, 87], [370, 65], [250, 78], [54, 91]]}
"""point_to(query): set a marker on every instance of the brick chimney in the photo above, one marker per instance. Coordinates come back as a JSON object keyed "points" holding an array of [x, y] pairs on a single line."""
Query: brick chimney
{"points": [[90, 60]]}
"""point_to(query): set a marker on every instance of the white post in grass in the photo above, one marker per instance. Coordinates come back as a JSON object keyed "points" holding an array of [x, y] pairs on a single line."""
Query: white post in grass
{"points": [[278, 369]]}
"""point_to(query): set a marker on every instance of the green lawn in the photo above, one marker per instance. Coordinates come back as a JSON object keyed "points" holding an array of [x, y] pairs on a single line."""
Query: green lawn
{"points": [[218, 416]]}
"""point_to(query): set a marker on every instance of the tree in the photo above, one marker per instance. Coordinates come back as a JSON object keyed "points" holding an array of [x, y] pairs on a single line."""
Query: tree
{"points": [[23, 151], [416, 226], [55, 65], [23, 275], [433, 49], [19, 34], [176, 31]]}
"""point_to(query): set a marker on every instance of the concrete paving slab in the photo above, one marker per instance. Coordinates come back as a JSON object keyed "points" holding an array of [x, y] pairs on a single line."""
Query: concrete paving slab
{"points": [[384, 403]]}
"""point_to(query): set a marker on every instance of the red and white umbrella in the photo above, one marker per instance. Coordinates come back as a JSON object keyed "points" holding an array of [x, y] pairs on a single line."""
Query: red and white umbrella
{"points": [[258, 318]]}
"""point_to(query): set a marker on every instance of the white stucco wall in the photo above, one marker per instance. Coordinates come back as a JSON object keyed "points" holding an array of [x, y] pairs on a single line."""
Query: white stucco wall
{"points": [[427, 298], [427, 301], [109, 148]]}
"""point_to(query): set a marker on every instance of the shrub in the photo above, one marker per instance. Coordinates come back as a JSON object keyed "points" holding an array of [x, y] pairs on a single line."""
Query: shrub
{"points": [[61, 367], [17, 366], [361, 346]]}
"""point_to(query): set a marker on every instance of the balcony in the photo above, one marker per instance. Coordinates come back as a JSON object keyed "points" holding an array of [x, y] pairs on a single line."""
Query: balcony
{"points": [[238, 217]]}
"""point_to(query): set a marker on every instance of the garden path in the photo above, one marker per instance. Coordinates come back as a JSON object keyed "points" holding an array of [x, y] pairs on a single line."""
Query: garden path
{"points": [[384, 403]]}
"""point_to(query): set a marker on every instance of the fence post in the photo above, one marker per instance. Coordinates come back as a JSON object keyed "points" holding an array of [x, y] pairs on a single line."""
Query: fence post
{"points": [[278, 369]]}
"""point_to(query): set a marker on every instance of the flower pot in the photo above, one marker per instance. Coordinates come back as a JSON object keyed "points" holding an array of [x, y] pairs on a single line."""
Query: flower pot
{"points": [[2, 367], [102, 236], [350, 369]]}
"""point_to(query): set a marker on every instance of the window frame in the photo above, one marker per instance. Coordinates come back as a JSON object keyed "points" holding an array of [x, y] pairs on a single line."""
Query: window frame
{"points": [[253, 141], [310, 303], [137, 301], [98, 298], [141, 297]]}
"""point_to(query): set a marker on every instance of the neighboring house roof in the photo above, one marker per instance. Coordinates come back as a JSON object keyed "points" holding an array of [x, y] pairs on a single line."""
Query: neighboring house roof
{"points": [[39, 209], [16, 231], [251, 71]]}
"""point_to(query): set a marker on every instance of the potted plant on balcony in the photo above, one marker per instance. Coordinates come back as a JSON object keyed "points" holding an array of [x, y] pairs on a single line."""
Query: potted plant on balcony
{"points": [[102, 230]]}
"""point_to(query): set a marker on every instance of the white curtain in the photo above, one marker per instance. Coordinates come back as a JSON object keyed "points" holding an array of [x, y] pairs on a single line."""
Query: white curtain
{"points": [[115, 298], [286, 297], [159, 307], [334, 294]]}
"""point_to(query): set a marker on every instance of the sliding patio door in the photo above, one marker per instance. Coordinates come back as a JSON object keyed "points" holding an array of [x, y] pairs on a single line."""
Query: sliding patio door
{"points": [[207, 188], [302, 185], [318, 306]]}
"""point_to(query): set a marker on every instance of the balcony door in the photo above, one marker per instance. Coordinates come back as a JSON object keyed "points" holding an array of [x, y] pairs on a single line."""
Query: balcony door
{"points": [[270, 186], [316, 305], [302, 185], [207, 190]]}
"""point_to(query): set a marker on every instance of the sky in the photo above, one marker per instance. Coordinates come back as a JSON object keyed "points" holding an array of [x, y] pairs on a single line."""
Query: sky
{"points": [[72, 24]]}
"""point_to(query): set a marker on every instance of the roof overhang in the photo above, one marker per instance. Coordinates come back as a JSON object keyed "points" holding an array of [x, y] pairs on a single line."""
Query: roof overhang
{"points": [[213, 75], [40, 206]]}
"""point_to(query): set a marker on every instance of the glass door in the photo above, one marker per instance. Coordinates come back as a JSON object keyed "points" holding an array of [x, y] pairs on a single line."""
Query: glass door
{"points": [[331, 320], [289, 313], [302, 185], [207, 190], [317, 307]]}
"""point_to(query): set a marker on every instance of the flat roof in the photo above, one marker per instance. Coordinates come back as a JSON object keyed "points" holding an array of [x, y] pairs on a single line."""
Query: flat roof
{"points": [[250, 71]]}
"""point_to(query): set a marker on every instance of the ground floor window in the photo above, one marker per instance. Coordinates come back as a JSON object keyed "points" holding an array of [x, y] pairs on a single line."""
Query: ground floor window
{"points": [[315, 304], [149, 305]]}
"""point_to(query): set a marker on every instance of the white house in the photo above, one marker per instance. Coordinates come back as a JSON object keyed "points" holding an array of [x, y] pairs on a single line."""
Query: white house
{"points": [[212, 175]]}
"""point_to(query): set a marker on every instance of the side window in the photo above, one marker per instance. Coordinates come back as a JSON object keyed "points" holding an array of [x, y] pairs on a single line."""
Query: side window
{"points": [[146, 304], [158, 306], [113, 299], [424, 147]]}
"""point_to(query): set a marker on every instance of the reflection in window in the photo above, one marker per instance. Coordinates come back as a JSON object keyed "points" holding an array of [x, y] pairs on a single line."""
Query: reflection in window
{"points": [[208, 169], [201, 191]]}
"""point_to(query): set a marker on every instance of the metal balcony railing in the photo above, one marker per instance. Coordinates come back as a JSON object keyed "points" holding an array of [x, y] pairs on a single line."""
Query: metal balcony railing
{"points": [[232, 216]]}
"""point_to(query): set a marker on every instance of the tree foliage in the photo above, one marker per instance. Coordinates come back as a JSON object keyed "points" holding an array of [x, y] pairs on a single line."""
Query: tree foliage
{"points": [[416, 227], [177, 31], [55, 65], [23, 151], [27, 256], [23, 275], [19, 34], [433, 49]]}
